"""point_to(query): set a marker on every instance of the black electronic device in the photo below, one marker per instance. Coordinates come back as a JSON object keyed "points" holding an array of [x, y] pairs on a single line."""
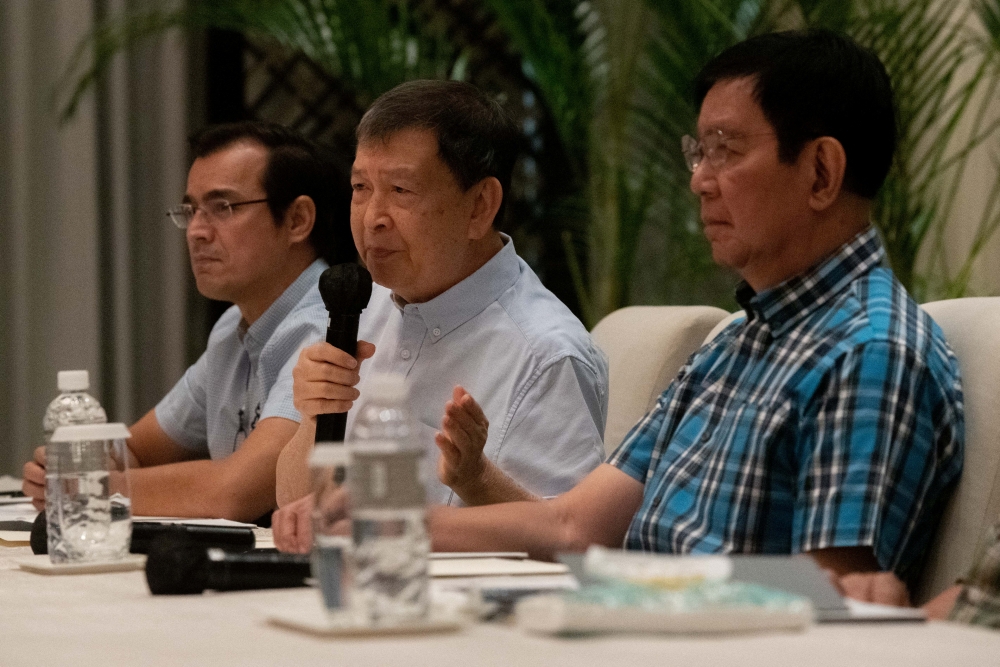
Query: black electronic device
{"points": [[230, 538], [346, 289], [179, 566]]}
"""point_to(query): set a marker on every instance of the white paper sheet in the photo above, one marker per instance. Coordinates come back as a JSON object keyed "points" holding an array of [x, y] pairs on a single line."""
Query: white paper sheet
{"points": [[449, 555], [491, 567], [866, 611], [22, 511], [8, 483]]}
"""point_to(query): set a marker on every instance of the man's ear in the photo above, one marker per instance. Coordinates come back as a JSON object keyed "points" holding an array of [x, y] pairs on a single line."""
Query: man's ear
{"points": [[300, 218], [488, 196], [829, 162]]}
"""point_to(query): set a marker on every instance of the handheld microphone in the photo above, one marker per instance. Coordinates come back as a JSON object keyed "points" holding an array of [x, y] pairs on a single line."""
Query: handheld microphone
{"points": [[230, 538], [178, 566], [346, 289]]}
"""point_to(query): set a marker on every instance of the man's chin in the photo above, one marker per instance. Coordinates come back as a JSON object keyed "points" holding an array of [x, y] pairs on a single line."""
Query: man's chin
{"points": [[385, 274], [727, 256], [211, 289]]}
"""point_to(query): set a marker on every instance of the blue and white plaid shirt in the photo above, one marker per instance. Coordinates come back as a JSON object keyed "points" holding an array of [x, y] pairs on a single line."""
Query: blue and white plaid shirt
{"points": [[831, 416]]}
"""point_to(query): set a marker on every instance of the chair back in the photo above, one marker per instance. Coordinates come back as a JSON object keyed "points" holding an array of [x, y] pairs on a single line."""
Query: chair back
{"points": [[972, 328], [646, 346]]}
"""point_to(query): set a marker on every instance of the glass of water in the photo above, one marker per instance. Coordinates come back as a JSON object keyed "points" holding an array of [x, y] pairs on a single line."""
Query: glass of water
{"points": [[88, 504], [331, 562]]}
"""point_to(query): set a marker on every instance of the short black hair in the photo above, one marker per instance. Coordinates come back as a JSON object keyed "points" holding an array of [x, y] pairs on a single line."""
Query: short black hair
{"points": [[817, 83], [476, 138], [295, 166]]}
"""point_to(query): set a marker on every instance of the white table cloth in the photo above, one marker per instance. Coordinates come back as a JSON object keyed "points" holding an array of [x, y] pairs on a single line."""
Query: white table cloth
{"points": [[108, 620]]}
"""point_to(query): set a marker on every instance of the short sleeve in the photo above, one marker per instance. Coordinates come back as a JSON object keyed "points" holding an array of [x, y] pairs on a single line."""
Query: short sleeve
{"points": [[634, 454], [282, 353], [879, 456], [554, 435], [182, 412]]}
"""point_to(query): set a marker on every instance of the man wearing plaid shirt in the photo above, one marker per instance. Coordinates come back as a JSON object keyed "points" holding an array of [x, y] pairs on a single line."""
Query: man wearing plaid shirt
{"points": [[826, 421]]}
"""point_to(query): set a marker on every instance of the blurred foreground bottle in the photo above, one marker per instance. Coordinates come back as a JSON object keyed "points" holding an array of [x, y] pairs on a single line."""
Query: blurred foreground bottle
{"points": [[390, 583]]}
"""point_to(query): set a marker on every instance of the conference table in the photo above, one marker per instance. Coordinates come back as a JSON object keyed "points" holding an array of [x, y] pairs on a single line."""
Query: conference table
{"points": [[111, 619]]}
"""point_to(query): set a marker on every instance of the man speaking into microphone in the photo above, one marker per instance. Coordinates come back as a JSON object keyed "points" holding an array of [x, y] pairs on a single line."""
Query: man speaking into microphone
{"points": [[509, 391], [260, 212]]}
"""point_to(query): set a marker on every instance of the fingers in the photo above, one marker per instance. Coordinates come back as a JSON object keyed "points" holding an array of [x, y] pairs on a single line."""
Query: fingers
{"points": [[33, 484], [448, 449], [303, 529], [464, 423], [878, 587], [283, 527], [279, 529], [940, 607], [323, 352], [365, 350], [857, 586], [887, 589], [291, 526], [461, 431], [324, 380], [470, 405], [39, 456], [34, 473]]}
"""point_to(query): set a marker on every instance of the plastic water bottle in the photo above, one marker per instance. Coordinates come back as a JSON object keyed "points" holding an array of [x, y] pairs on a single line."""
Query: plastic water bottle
{"points": [[389, 573], [73, 406]]}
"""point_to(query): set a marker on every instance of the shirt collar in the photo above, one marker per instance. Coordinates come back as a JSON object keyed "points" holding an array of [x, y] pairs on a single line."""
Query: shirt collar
{"points": [[783, 306], [460, 303], [257, 334]]}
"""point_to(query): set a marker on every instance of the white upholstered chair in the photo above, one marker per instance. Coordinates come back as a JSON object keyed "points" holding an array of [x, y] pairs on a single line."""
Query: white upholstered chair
{"points": [[646, 346], [972, 328]]}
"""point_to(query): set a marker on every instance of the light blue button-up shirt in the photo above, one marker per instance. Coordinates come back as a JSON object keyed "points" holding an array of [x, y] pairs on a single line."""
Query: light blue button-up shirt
{"points": [[245, 374], [519, 351]]}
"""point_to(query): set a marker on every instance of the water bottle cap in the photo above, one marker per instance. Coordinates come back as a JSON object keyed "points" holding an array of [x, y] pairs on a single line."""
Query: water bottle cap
{"points": [[84, 432], [73, 380], [387, 387]]}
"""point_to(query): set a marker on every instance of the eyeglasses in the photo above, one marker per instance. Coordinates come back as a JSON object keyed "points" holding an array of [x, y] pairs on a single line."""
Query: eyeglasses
{"points": [[714, 147], [214, 209]]}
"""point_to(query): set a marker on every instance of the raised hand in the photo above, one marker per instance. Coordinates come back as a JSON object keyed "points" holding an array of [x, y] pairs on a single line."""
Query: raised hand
{"points": [[462, 437]]}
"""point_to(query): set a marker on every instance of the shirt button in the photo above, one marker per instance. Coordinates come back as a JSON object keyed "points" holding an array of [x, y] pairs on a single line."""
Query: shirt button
{"points": [[706, 436], [405, 354], [436, 332]]}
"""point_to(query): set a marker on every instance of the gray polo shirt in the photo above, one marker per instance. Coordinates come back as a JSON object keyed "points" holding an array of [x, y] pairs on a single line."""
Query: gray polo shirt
{"points": [[525, 358], [245, 374]]}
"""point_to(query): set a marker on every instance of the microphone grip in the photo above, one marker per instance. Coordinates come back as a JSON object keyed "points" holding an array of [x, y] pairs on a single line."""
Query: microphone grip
{"points": [[254, 571], [343, 334]]}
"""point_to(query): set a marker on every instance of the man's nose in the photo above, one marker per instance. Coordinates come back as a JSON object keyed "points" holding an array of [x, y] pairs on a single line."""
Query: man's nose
{"points": [[199, 226], [377, 212], [702, 180]]}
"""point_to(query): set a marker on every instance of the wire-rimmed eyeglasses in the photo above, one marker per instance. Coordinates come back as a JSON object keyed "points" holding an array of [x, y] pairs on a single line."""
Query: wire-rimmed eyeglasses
{"points": [[214, 210], [714, 147]]}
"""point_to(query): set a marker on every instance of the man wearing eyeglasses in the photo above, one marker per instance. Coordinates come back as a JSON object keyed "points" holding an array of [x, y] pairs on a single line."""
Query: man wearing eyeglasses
{"points": [[262, 219], [826, 421]]}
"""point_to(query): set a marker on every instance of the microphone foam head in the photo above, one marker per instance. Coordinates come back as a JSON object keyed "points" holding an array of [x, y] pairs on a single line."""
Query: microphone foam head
{"points": [[346, 288], [176, 565]]}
